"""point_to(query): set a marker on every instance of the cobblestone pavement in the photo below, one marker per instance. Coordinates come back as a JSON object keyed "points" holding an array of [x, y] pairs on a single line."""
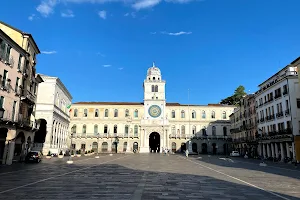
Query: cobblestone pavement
{"points": [[148, 176]]}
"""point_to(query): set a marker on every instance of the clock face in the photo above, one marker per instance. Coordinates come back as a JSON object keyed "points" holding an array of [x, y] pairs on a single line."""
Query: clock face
{"points": [[154, 111]]}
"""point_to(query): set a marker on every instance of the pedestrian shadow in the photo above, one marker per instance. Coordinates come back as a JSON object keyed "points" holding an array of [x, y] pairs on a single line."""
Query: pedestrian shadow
{"points": [[224, 161], [114, 181]]}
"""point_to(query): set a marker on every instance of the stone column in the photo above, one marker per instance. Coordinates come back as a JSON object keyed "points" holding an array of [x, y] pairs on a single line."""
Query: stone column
{"points": [[268, 150], [142, 132], [276, 150], [264, 150], [293, 150], [288, 153], [272, 150], [9, 152], [282, 151]]}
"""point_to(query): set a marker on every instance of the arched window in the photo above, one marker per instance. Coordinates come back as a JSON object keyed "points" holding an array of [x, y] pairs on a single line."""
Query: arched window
{"points": [[203, 114], [194, 130], [126, 130], [194, 114], [204, 131], [173, 114], [182, 130], [152, 88], [173, 130], [224, 115], [225, 131], [105, 129], [74, 129], [136, 113], [75, 112], [136, 129], [84, 128], [95, 128], [106, 113], [115, 130], [126, 113], [116, 113], [213, 115], [156, 88], [153, 78], [213, 129], [96, 113], [182, 114], [85, 112]]}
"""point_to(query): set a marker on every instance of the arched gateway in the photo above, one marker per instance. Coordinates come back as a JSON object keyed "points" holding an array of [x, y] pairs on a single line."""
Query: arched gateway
{"points": [[154, 142]]}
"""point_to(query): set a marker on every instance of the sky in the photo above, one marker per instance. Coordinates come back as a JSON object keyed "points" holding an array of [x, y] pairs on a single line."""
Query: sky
{"points": [[101, 49]]}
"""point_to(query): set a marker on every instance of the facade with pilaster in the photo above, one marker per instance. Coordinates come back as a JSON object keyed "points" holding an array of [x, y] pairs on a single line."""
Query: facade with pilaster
{"points": [[52, 109], [150, 125], [277, 113], [18, 93]]}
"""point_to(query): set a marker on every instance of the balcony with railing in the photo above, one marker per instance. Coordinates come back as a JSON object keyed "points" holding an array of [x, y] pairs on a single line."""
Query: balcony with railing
{"points": [[287, 112], [279, 114], [105, 135]]}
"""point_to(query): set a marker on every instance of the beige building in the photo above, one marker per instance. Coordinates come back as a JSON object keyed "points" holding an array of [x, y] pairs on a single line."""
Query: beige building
{"points": [[52, 108], [150, 125], [18, 92], [244, 127]]}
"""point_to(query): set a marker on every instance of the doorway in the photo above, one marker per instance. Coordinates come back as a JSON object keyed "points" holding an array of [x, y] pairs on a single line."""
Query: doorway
{"points": [[154, 142]]}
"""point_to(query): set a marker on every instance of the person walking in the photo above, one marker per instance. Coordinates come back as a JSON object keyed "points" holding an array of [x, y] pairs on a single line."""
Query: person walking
{"points": [[187, 153]]}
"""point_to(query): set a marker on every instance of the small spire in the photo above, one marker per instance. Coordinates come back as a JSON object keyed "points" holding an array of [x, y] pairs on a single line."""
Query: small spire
{"points": [[153, 64]]}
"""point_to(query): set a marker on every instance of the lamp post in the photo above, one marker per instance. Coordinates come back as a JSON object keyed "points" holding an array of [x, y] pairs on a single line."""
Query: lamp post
{"points": [[70, 161], [1, 113], [129, 120], [116, 143], [97, 155], [263, 164]]}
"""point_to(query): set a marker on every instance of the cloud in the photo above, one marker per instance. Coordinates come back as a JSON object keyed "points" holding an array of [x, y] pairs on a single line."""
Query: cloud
{"points": [[132, 14], [31, 17], [100, 54], [48, 52], [102, 14], [176, 33], [120, 68], [46, 7], [142, 4], [67, 13], [106, 66]]}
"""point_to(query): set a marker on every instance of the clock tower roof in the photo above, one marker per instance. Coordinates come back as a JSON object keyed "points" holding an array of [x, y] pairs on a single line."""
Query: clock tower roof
{"points": [[153, 71]]}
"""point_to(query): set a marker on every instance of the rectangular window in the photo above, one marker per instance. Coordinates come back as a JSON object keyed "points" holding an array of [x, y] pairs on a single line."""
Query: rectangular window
{"points": [[1, 101], [7, 54], [288, 124], [298, 103], [173, 114], [17, 84], [14, 111], [285, 89], [20, 62], [4, 78]]}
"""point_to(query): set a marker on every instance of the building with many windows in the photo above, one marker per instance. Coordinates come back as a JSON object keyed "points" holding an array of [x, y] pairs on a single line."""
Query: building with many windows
{"points": [[151, 125], [243, 127], [17, 92], [52, 108], [277, 113]]}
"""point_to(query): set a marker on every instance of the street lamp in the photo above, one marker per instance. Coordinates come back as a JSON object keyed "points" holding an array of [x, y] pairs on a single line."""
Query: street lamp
{"points": [[1, 113], [263, 164], [97, 156], [70, 161]]}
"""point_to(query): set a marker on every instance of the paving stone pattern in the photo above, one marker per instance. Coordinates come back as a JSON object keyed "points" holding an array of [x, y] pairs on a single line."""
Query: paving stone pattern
{"points": [[142, 176]]}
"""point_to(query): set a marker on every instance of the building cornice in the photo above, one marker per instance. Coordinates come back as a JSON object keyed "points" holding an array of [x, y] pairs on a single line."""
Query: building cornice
{"points": [[13, 44]]}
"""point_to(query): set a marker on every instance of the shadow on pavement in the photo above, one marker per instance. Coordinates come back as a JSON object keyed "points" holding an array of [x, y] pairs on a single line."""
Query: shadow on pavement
{"points": [[113, 181], [249, 164]]}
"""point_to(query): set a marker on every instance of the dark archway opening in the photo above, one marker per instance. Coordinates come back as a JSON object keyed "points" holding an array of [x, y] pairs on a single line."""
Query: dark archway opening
{"points": [[154, 142], [19, 147], [174, 147], [204, 148], [40, 135], [194, 147], [183, 147], [214, 146], [3, 135]]}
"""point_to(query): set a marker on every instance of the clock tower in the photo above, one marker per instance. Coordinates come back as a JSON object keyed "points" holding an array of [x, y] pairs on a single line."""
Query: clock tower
{"points": [[154, 95], [154, 124]]}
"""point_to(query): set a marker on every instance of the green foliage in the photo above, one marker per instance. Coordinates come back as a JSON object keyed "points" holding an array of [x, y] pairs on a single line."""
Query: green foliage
{"points": [[235, 99], [49, 153], [79, 151], [72, 152], [60, 153], [89, 151], [85, 152]]}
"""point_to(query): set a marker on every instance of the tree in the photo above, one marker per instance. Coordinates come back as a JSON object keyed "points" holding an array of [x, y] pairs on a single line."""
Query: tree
{"points": [[235, 99]]}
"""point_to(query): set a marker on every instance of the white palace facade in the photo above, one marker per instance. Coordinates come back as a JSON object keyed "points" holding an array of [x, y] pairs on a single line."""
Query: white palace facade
{"points": [[150, 125]]}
